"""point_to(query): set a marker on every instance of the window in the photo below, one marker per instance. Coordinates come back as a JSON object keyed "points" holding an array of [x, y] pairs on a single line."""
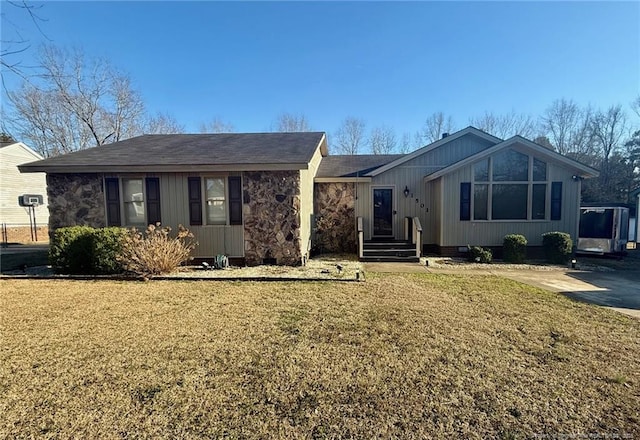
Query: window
{"points": [[510, 166], [133, 198], [132, 201], [222, 198], [480, 200], [513, 186], [509, 202], [215, 198], [481, 171]]}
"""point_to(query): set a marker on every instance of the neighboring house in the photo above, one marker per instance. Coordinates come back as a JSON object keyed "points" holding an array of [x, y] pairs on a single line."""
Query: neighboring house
{"points": [[13, 185], [254, 196]]}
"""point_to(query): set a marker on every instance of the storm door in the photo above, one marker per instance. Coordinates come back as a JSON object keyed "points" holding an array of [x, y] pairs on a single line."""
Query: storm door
{"points": [[383, 212]]}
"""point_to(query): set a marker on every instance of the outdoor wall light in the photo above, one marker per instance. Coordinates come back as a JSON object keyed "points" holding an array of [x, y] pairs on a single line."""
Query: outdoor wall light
{"points": [[406, 191]]}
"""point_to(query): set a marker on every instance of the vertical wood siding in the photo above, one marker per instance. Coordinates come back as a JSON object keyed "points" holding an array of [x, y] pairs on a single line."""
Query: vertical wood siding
{"points": [[491, 233], [212, 240], [422, 197]]}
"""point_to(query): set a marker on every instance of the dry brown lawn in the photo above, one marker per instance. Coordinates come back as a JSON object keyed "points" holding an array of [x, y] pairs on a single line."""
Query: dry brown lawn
{"points": [[399, 356]]}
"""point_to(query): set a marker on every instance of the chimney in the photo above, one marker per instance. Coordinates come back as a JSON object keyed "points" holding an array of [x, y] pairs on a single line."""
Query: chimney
{"points": [[444, 135]]}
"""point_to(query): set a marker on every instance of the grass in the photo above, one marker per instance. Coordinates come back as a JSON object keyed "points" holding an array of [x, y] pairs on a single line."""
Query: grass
{"points": [[411, 356]]}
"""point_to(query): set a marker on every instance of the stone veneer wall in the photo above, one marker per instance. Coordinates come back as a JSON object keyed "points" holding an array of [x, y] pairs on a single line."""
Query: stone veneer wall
{"points": [[271, 211], [335, 217], [75, 199]]}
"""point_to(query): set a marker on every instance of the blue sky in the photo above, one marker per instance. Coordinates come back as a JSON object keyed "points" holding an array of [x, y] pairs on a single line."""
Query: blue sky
{"points": [[387, 63]]}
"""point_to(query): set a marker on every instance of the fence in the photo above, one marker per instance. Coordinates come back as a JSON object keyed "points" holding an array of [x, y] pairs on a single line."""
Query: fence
{"points": [[23, 233]]}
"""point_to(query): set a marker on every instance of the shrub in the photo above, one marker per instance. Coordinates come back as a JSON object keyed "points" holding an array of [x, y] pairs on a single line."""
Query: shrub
{"points": [[478, 254], [70, 250], [85, 250], [557, 246], [154, 252], [514, 248], [106, 246]]}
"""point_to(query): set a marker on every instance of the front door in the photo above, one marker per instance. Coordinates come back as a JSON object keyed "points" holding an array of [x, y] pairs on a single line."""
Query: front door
{"points": [[382, 212]]}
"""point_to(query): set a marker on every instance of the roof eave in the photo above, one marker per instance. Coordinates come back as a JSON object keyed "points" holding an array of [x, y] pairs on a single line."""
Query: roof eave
{"points": [[84, 169], [329, 179], [582, 170], [435, 145]]}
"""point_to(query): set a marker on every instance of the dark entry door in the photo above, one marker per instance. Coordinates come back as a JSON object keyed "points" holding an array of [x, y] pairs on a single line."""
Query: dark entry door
{"points": [[383, 212]]}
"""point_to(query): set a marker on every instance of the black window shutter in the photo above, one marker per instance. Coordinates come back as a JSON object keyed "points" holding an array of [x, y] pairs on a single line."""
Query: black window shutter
{"points": [[195, 201], [235, 200], [153, 200], [112, 192], [465, 201], [556, 200]]}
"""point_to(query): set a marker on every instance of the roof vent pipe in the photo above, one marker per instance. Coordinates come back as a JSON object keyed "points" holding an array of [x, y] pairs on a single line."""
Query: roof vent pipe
{"points": [[444, 135]]}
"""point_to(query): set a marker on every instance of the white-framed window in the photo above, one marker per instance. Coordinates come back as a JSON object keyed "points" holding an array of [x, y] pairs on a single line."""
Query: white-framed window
{"points": [[215, 200], [510, 186], [133, 200]]}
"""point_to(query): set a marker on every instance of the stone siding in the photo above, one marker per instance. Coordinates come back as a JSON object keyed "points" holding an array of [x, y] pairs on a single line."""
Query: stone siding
{"points": [[271, 211], [335, 217], [75, 199]]}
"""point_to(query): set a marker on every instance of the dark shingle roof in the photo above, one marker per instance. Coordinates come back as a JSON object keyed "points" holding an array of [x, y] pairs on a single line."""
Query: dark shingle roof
{"points": [[190, 150], [353, 166]]}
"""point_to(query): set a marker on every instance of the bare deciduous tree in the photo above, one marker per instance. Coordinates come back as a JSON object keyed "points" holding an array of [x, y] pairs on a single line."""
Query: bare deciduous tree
{"points": [[13, 41], [435, 126], [287, 122], [609, 127], [507, 125], [382, 140], [568, 128], [216, 125], [350, 136], [76, 103], [635, 105], [163, 123], [405, 143]]}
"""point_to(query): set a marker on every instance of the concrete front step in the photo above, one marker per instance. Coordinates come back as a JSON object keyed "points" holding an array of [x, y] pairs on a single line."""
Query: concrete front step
{"points": [[389, 252], [389, 259]]}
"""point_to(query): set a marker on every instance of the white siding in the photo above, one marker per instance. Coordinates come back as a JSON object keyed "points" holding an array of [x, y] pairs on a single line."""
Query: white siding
{"points": [[14, 184], [306, 202]]}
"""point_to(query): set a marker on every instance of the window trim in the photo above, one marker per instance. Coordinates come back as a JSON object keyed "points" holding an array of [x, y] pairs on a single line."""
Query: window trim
{"points": [[119, 199], [530, 183], [227, 199], [203, 192], [123, 210]]}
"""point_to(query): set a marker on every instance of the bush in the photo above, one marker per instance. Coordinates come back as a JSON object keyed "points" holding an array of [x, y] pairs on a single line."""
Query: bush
{"points": [[557, 247], [155, 252], [514, 248], [478, 254], [106, 246], [84, 250], [70, 250]]}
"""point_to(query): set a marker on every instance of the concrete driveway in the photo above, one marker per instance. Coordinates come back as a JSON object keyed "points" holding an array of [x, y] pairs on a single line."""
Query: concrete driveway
{"points": [[619, 290]]}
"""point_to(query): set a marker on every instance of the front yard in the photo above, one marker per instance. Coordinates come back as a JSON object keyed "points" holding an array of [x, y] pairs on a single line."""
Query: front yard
{"points": [[411, 356]]}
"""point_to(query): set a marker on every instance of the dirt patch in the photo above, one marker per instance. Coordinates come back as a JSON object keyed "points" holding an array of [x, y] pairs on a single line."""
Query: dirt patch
{"points": [[23, 234]]}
